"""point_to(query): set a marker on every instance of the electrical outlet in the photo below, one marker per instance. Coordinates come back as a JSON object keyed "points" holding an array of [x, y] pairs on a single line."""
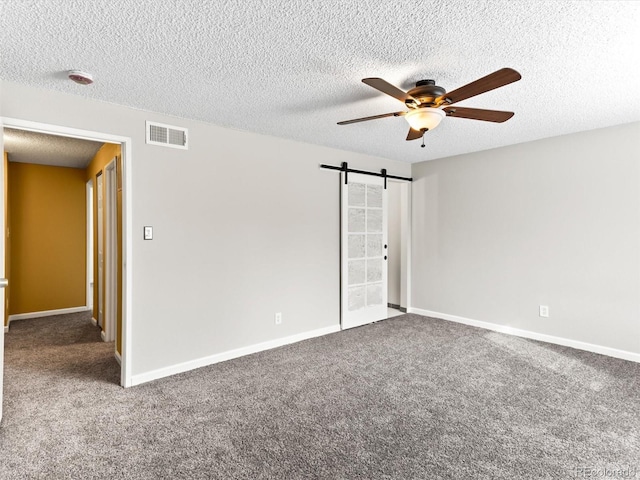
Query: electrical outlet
{"points": [[544, 311], [278, 318]]}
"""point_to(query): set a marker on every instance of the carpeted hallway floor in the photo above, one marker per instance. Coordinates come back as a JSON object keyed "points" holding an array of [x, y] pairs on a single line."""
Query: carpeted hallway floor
{"points": [[407, 398]]}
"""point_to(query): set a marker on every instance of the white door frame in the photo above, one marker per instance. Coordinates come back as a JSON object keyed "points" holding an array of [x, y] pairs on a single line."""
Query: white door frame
{"points": [[110, 252], [127, 224]]}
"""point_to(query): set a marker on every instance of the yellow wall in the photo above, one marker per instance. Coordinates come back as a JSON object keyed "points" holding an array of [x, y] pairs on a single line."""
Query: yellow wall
{"points": [[106, 153], [47, 222], [7, 243]]}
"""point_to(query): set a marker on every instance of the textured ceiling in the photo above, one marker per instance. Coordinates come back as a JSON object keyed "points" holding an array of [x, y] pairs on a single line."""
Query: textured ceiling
{"points": [[292, 69], [32, 147]]}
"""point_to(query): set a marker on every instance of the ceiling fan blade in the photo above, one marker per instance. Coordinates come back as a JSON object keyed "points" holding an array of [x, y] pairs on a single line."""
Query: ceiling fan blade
{"points": [[385, 87], [497, 116], [492, 81], [374, 117], [414, 134]]}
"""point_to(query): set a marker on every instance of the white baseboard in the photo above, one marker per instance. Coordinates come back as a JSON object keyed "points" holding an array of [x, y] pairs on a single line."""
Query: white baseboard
{"points": [[229, 355], [94, 321], [566, 342], [6, 328], [118, 358], [46, 313], [103, 335]]}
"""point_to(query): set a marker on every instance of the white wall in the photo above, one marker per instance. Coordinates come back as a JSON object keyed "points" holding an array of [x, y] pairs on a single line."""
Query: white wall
{"points": [[553, 222], [245, 225]]}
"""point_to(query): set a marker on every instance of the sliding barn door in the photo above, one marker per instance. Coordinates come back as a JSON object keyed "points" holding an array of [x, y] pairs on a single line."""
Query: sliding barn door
{"points": [[363, 250]]}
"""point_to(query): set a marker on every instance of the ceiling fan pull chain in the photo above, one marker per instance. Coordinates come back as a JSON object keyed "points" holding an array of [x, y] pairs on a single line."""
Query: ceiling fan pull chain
{"points": [[423, 132]]}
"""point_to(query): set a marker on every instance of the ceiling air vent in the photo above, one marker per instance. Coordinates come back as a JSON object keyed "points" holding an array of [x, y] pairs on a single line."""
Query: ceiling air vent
{"points": [[166, 135]]}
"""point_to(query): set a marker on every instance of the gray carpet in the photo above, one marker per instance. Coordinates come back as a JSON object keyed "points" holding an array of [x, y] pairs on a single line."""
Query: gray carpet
{"points": [[407, 398]]}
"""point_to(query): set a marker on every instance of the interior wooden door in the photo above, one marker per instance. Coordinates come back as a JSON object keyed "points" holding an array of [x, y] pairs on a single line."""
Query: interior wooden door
{"points": [[363, 250]]}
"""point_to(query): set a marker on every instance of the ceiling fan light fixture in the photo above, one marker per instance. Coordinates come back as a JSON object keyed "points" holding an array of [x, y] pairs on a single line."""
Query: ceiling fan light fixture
{"points": [[424, 118]]}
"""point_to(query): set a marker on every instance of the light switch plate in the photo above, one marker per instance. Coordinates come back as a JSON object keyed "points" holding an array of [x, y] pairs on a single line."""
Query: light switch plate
{"points": [[148, 233]]}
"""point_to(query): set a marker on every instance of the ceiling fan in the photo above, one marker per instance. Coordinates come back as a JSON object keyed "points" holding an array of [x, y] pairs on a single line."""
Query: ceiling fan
{"points": [[428, 103]]}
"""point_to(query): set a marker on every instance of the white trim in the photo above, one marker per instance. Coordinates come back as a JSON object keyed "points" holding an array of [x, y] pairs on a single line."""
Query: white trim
{"points": [[94, 321], [127, 265], [6, 329], [118, 358], [229, 355], [566, 342], [46, 313], [408, 246], [127, 220], [103, 336], [61, 131]]}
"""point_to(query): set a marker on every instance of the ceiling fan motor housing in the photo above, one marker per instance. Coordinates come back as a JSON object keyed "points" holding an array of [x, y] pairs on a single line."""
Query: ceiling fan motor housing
{"points": [[425, 91]]}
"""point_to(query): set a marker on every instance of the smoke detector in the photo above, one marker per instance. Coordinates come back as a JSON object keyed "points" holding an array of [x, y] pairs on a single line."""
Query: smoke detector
{"points": [[78, 76]]}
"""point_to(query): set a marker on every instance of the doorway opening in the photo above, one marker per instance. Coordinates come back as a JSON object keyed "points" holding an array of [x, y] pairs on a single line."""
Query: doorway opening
{"points": [[375, 248], [398, 235], [116, 276]]}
